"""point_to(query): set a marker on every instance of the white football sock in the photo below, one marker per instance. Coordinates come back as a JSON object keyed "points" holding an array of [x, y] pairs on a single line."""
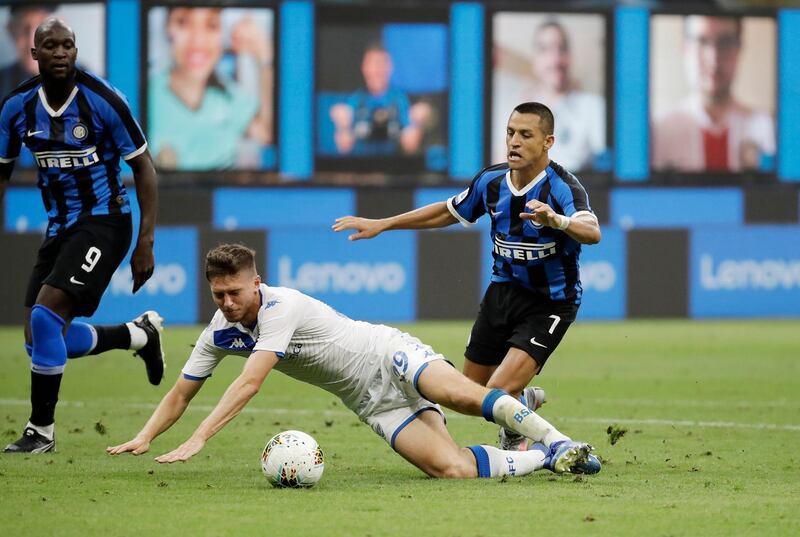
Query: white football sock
{"points": [[493, 462], [511, 414], [45, 430], [138, 336]]}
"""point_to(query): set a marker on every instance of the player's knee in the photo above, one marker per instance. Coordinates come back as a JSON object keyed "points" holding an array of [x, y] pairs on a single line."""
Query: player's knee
{"points": [[44, 321], [49, 354]]}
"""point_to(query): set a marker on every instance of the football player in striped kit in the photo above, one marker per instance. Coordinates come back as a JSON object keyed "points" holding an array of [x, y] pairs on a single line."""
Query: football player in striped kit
{"points": [[540, 217], [77, 127]]}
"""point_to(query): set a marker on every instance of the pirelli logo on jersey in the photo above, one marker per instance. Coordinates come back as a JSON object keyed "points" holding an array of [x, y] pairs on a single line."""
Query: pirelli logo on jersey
{"points": [[522, 251], [67, 159]]}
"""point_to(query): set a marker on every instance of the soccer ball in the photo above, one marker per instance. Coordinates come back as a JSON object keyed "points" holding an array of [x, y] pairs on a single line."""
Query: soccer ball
{"points": [[292, 459]]}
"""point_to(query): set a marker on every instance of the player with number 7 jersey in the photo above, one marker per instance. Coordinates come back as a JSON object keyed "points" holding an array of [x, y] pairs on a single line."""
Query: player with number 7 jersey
{"points": [[540, 217], [77, 127]]}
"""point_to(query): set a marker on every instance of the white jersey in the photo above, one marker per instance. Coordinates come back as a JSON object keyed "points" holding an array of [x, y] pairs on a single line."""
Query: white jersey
{"points": [[314, 343]]}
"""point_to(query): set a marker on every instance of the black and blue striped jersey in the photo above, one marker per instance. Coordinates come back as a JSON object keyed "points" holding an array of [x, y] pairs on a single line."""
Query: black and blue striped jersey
{"points": [[77, 148], [539, 258]]}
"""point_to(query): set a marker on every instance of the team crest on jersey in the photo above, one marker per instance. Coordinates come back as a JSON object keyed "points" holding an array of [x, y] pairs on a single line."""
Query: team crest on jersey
{"points": [[79, 131], [534, 224]]}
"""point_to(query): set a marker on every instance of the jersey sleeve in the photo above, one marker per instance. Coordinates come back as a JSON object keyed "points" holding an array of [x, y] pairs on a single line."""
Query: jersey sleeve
{"points": [[469, 205], [571, 197], [204, 358], [277, 323], [124, 129], [10, 141]]}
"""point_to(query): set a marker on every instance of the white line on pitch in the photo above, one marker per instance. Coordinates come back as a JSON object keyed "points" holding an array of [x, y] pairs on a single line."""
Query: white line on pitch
{"points": [[685, 423], [737, 404], [451, 415]]}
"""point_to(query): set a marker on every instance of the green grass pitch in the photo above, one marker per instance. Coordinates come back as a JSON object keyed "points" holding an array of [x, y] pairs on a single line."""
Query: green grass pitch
{"points": [[711, 409]]}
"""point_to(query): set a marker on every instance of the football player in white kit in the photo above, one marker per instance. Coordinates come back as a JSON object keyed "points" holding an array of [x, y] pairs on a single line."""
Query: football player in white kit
{"points": [[391, 380]]}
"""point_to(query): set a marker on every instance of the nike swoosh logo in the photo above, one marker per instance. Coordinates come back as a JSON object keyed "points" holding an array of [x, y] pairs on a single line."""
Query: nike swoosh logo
{"points": [[34, 133], [498, 213], [76, 282], [533, 340]]}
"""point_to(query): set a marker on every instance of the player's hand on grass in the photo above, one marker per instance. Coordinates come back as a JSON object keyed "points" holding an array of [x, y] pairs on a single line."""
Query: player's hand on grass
{"points": [[366, 227], [142, 264], [541, 213], [184, 452], [137, 446]]}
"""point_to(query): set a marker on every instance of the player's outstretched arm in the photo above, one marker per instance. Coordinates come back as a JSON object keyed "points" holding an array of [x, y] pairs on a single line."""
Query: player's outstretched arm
{"points": [[584, 228], [431, 216], [241, 390], [171, 407], [142, 260]]}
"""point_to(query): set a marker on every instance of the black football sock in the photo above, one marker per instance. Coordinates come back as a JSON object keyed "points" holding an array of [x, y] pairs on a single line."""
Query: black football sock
{"points": [[112, 337], [44, 396]]}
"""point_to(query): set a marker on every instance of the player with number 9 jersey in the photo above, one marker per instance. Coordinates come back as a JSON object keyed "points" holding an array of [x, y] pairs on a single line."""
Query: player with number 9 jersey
{"points": [[77, 127]]}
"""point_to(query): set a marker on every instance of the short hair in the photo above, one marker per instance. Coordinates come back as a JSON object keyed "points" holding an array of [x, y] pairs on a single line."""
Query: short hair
{"points": [[546, 120], [229, 259]]}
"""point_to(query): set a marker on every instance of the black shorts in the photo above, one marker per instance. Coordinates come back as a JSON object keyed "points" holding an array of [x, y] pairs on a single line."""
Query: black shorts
{"points": [[512, 316], [81, 260]]}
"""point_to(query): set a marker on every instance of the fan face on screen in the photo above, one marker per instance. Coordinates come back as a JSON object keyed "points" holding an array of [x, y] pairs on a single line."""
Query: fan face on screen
{"points": [[292, 459]]}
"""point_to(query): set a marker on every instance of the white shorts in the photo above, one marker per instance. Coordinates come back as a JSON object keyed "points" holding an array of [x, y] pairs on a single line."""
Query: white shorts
{"points": [[397, 401], [388, 424]]}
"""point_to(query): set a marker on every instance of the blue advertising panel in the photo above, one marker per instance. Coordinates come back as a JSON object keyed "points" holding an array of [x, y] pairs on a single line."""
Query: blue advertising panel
{"points": [[371, 280], [745, 272], [258, 208], [24, 211], [675, 207], [171, 291], [604, 277]]}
